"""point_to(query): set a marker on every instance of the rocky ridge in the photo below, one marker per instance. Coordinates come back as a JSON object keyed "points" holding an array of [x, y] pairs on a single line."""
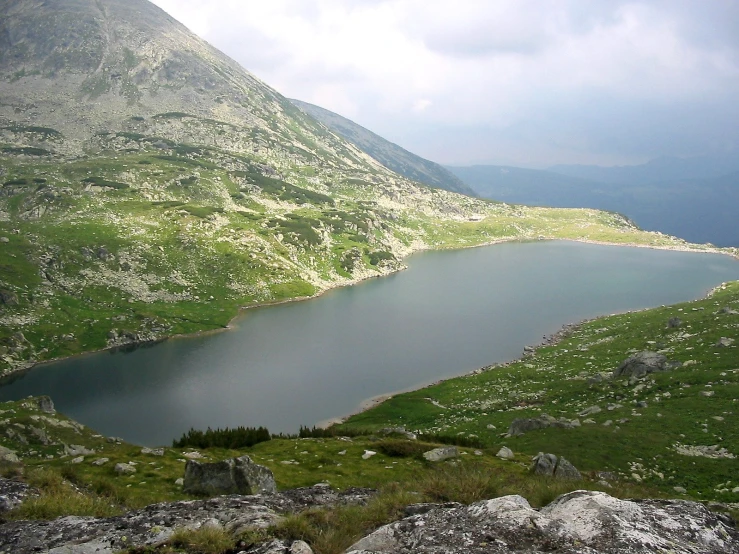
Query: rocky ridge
{"points": [[388, 154]]}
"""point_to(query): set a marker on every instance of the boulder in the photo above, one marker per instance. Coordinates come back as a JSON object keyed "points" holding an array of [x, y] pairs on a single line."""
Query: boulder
{"points": [[505, 453], [441, 454], [13, 493], [8, 455], [520, 426], [8, 298], [580, 522], [232, 476], [674, 322], [124, 469], [398, 431], [544, 464], [553, 466], [565, 470], [724, 342], [642, 363], [77, 450], [590, 411]]}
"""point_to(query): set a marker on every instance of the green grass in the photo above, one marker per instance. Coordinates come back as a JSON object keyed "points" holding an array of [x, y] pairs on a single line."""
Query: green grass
{"points": [[195, 235], [556, 381]]}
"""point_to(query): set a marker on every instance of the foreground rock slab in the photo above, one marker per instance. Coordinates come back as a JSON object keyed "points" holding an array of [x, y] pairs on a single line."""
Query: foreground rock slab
{"points": [[580, 522], [233, 476], [156, 523]]}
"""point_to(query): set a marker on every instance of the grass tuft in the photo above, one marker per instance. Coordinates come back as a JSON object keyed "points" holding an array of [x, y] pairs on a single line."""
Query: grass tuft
{"points": [[209, 539]]}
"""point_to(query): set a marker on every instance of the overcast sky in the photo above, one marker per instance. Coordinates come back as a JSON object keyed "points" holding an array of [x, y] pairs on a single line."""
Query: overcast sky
{"points": [[517, 82]]}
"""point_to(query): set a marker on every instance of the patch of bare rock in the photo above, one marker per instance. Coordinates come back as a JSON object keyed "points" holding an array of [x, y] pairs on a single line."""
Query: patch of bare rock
{"points": [[580, 522], [154, 524]]}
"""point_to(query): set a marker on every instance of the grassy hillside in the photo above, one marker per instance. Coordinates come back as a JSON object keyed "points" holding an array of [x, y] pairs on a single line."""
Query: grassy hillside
{"points": [[647, 430], [150, 242], [387, 153]]}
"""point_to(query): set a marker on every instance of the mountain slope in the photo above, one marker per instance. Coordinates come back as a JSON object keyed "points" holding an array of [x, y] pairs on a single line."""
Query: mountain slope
{"points": [[387, 153], [149, 186]]}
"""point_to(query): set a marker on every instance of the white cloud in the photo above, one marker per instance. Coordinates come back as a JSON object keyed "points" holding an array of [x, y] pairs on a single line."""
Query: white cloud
{"points": [[421, 105], [536, 78]]}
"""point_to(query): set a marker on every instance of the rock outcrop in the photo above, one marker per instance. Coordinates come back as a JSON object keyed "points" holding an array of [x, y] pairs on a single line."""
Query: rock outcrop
{"points": [[156, 523], [442, 453], [13, 493], [233, 476], [642, 363], [552, 466], [519, 426], [581, 522]]}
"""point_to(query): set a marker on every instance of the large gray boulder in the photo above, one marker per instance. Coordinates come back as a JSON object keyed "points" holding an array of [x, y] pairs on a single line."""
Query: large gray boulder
{"points": [[642, 363], [45, 404], [552, 466], [544, 464], [581, 522], [233, 476], [442, 453]]}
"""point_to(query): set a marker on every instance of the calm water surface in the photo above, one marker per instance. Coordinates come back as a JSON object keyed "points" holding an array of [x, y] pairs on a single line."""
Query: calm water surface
{"points": [[304, 362]]}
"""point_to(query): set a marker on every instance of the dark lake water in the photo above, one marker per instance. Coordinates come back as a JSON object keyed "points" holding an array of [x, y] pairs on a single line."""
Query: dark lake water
{"points": [[300, 363]]}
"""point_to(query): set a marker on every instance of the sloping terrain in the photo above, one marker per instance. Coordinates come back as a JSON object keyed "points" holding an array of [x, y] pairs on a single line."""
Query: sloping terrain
{"points": [[672, 426], [387, 153], [150, 186], [698, 209]]}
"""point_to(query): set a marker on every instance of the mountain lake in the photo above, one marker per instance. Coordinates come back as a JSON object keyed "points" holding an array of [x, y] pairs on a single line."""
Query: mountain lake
{"points": [[301, 363]]}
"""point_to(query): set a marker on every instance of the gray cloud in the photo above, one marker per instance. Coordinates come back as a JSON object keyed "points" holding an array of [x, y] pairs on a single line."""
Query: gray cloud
{"points": [[532, 82]]}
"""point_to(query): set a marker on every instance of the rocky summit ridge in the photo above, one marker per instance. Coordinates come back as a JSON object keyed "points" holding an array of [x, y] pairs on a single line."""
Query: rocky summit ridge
{"points": [[150, 186], [387, 153]]}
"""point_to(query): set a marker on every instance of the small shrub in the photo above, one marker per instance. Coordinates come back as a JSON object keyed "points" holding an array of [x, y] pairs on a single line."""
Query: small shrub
{"points": [[240, 437], [100, 182], [380, 255], [25, 150], [398, 448], [202, 211]]}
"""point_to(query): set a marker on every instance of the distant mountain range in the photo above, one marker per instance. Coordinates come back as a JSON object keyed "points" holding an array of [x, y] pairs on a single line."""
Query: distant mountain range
{"points": [[666, 168], [689, 198], [387, 153]]}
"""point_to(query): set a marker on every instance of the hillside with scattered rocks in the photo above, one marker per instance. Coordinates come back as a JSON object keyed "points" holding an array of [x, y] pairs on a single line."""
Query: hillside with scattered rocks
{"points": [[150, 186]]}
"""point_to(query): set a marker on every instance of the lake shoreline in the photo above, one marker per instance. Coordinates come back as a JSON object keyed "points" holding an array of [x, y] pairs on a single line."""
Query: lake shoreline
{"points": [[529, 350], [23, 368]]}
